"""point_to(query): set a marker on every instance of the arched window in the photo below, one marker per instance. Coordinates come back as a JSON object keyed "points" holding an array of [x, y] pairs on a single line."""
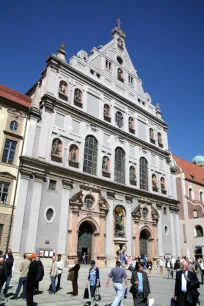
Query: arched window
{"points": [[106, 166], [201, 196], [119, 119], [56, 151], [106, 112], [131, 125], [119, 165], [78, 97], [74, 156], [154, 182], [163, 185], [143, 173], [198, 231], [90, 155], [160, 143], [63, 90], [151, 135], [190, 193], [120, 75], [132, 175]]}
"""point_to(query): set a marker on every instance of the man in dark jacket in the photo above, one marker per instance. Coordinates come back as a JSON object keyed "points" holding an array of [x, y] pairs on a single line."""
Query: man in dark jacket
{"points": [[30, 284], [75, 278], [40, 275], [2, 278], [186, 281], [9, 261]]}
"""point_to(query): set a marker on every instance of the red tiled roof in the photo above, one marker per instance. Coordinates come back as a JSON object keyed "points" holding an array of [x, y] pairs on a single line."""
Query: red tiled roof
{"points": [[192, 172], [14, 96]]}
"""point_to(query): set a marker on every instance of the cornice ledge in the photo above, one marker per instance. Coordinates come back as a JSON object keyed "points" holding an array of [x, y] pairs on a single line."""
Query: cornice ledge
{"points": [[48, 102]]}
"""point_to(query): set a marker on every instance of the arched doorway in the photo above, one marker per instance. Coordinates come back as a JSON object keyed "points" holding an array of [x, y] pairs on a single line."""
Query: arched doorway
{"points": [[144, 243], [85, 234]]}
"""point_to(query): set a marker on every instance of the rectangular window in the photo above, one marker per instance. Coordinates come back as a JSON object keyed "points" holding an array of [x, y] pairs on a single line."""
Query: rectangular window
{"points": [[59, 120], [1, 232], [108, 65], [130, 79], [9, 151], [52, 185], [195, 213], [141, 130], [165, 210], [92, 105], [4, 189]]}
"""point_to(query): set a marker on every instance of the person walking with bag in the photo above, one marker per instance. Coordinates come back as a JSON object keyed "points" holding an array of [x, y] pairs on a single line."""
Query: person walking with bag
{"points": [[30, 283], [53, 275], [140, 286], [93, 279], [118, 275], [40, 275]]}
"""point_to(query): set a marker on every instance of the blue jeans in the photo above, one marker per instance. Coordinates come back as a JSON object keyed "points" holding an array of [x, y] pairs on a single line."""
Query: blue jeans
{"points": [[119, 294], [8, 279], [22, 281], [53, 280], [92, 290]]}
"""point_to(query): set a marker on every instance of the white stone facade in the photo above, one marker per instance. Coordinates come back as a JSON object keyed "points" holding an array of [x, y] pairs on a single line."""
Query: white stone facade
{"points": [[59, 113]]}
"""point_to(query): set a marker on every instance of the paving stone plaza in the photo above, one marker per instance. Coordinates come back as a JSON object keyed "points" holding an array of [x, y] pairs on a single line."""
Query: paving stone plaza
{"points": [[162, 290]]}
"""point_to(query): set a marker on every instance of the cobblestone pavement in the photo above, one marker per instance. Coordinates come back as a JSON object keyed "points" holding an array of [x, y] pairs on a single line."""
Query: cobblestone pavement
{"points": [[161, 288]]}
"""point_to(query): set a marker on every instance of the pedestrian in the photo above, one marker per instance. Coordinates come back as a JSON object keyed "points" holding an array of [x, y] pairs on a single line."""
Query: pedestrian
{"points": [[84, 258], [60, 264], [133, 263], [93, 279], [149, 266], [24, 267], [118, 275], [140, 284], [53, 275], [31, 277], [169, 268], [40, 274], [75, 269], [161, 263], [122, 259], [145, 262], [183, 286], [9, 261], [2, 279], [158, 265], [202, 270]]}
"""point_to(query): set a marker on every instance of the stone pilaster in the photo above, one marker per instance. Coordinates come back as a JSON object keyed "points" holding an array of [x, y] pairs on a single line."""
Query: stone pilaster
{"points": [[39, 178], [160, 242], [109, 231], [173, 233], [64, 218], [20, 205], [34, 117]]}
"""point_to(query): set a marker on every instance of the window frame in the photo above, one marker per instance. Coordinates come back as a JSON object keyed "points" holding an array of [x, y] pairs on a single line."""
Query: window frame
{"points": [[119, 166], [3, 192], [201, 196], [195, 211], [91, 156], [117, 118], [9, 150], [16, 122], [144, 174], [50, 182]]}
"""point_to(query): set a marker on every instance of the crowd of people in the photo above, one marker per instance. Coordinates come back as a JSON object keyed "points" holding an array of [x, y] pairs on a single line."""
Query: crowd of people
{"points": [[32, 272]]}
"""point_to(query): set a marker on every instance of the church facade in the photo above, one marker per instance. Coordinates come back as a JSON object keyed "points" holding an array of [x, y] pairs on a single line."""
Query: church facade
{"points": [[96, 176]]}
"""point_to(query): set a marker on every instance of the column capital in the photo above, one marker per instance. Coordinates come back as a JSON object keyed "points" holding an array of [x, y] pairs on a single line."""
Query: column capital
{"points": [[39, 177], [67, 184], [26, 174], [111, 195], [128, 199], [34, 113], [48, 103]]}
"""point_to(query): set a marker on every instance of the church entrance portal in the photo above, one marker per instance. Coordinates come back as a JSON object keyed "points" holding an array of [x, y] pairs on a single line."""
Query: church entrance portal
{"points": [[144, 236], [85, 241]]}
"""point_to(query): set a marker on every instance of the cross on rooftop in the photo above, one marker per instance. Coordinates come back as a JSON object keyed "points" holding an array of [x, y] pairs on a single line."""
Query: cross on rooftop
{"points": [[119, 22]]}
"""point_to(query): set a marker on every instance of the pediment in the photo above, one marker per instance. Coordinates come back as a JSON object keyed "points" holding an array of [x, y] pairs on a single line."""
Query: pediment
{"points": [[146, 212], [7, 175]]}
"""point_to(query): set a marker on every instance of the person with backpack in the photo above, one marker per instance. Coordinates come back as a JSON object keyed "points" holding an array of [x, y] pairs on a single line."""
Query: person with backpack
{"points": [[93, 280], [9, 261]]}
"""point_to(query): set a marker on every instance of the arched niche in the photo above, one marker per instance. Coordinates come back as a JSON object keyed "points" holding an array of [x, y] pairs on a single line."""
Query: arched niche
{"points": [[56, 150], [63, 90], [119, 221], [74, 156]]}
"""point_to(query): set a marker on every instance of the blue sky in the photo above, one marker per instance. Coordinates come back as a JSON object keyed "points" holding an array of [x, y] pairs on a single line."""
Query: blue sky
{"points": [[165, 40]]}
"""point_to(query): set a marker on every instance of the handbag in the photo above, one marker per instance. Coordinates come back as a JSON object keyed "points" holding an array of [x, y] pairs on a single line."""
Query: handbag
{"points": [[173, 302], [151, 302], [86, 293], [70, 276], [97, 296]]}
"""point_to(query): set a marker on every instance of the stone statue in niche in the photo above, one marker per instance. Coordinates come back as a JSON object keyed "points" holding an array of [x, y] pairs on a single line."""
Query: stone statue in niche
{"points": [[154, 181], [77, 95], [120, 43], [105, 164], [157, 107], [119, 227], [55, 147], [63, 88], [106, 111], [120, 74], [132, 174], [73, 154], [151, 134], [162, 184], [159, 138]]}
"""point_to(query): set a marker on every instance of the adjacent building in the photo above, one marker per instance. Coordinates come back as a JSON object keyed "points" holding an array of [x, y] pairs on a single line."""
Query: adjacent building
{"points": [[190, 191], [96, 176], [13, 112]]}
